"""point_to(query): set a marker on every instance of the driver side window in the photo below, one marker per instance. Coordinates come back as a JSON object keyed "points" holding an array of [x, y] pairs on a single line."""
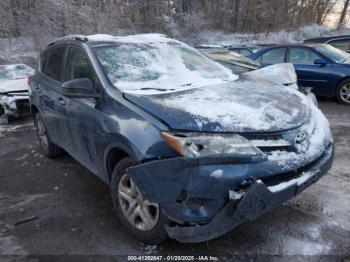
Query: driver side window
{"points": [[79, 66]]}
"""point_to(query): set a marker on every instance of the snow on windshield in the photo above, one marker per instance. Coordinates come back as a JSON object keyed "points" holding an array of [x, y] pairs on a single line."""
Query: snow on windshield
{"points": [[141, 67], [12, 72]]}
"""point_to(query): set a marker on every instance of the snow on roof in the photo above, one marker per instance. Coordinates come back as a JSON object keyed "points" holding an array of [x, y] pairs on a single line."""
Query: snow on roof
{"points": [[140, 38]]}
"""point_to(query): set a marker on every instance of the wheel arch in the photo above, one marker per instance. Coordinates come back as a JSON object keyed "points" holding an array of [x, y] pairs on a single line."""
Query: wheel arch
{"points": [[115, 152]]}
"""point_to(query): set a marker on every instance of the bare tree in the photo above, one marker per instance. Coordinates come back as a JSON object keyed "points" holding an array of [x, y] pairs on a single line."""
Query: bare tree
{"points": [[343, 14]]}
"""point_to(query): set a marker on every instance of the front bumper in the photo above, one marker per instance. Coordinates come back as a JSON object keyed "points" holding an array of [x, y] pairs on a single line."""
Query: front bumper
{"points": [[14, 104], [208, 197]]}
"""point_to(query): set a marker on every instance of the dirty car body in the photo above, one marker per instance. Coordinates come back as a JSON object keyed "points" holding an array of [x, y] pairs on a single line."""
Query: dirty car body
{"points": [[211, 152], [14, 97]]}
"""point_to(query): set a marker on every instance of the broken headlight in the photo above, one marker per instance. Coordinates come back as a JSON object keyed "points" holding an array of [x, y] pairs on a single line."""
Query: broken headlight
{"points": [[197, 145]]}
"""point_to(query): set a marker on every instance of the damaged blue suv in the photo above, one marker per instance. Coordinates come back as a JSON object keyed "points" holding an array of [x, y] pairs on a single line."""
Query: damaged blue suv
{"points": [[188, 149]]}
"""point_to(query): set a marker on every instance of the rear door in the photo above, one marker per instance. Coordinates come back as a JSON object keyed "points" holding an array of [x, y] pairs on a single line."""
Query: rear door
{"points": [[273, 56], [49, 89], [309, 74]]}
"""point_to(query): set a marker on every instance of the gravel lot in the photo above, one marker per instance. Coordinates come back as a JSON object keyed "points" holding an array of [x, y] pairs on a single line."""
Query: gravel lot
{"points": [[70, 211]]}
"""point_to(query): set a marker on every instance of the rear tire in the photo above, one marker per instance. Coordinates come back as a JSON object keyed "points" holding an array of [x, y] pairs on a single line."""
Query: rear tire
{"points": [[154, 231], [49, 149], [343, 92]]}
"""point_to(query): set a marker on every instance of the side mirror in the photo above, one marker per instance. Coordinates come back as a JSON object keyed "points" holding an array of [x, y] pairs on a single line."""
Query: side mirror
{"points": [[82, 87], [320, 62]]}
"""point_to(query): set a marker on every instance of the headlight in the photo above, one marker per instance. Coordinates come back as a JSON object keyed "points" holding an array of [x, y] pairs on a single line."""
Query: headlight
{"points": [[196, 145]]}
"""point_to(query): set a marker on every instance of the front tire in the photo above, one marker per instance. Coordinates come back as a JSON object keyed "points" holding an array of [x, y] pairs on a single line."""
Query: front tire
{"points": [[343, 92], [49, 149], [143, 219]]}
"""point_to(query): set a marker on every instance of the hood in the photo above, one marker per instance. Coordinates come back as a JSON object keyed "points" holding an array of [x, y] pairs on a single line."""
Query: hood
{"points": [[7, 86], [238, 106], [283, 73]]}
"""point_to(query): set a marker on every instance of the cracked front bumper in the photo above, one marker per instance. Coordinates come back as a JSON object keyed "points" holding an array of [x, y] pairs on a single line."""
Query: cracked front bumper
{"points": [[204, 206]]}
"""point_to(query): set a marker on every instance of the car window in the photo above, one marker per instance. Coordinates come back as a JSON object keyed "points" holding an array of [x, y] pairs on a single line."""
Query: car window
{"points": [[79, 66], [54, 62], [302, 56], [335, 54], [343, 44], [245, 52], [236, 69], [274, 56]]}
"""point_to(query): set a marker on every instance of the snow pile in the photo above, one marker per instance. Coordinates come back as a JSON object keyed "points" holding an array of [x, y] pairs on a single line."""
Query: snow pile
{"points": [[153, 62], [283, 73]]}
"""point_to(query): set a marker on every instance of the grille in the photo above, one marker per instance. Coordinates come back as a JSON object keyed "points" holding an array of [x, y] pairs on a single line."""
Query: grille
{"points": [[277, 179], [268, 143]]}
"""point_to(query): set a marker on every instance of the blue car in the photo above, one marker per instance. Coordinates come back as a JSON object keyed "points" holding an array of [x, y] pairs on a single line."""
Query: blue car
{"points": [[324, 68], [188, 149]]}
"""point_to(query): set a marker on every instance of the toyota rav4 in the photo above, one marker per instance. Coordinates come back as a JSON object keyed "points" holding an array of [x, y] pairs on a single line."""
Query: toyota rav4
{"points": [[188, 149]]}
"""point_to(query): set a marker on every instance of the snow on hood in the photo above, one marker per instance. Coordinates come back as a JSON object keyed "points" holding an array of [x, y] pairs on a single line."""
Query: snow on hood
{"points": [[14, 85], [283, 73], [14, 77], [238, 106]]}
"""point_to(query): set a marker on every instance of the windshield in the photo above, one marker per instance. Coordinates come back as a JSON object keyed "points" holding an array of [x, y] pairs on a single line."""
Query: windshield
{"points": [[159, 66], [335, 54], [237, 68], [12, 72]]}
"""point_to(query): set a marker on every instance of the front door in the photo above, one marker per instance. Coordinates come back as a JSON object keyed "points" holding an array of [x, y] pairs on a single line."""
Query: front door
{"points": [[84, 117], [309, 74]]}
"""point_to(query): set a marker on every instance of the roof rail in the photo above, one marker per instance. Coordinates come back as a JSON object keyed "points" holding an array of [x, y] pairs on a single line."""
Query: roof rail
{"points": [[82, 38]]}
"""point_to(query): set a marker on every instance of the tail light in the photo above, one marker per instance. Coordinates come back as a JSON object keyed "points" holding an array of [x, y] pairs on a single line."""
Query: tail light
{"points": [[30, 79]]}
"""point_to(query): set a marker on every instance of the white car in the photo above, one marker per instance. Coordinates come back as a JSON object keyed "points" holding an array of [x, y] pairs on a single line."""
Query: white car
{"points": [[14, 99]]}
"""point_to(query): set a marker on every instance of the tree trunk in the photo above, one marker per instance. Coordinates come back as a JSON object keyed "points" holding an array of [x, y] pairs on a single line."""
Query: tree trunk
{"points": [[343, 14]]}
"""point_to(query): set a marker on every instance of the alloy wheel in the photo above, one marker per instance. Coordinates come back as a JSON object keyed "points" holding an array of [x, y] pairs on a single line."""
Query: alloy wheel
{"points": [[139, 211], [345, 93], [42, 133]]}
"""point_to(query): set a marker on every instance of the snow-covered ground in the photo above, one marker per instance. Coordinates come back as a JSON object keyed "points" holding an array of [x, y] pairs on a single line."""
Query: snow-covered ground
{"points": [[284, 36], [26, 49]]}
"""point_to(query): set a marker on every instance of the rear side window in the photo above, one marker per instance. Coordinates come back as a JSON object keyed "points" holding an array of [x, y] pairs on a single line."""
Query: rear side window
{"points": [[274, 56], [54, 62], [343, 44], [245, 52]]}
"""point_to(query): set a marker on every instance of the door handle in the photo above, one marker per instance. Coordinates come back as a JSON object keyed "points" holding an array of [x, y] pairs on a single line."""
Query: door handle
{"points": [[61, 101], [37, 89]]}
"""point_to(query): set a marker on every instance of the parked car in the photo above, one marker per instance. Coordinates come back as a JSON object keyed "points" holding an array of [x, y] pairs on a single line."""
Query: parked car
{"points": [[245, 50], [189, 150], [14, 99], [236, 62], [282, 74], [341, 41], [324, 68]]}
